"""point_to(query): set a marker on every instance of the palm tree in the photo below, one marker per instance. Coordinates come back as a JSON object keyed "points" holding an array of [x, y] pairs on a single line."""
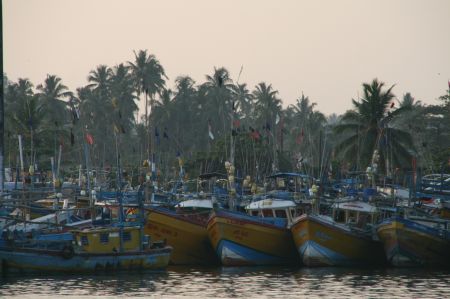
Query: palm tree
{"points": [[268, 108], [149, 77], [26, 115], [123, 98], [368, 129], [243, 98], [218, 88], [268, 105], [308, 126], [52, 93]]}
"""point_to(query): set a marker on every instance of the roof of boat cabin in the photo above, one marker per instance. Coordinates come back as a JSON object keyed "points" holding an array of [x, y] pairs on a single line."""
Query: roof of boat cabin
{"points": [[355, 206], [270, 204], [196, 203]]}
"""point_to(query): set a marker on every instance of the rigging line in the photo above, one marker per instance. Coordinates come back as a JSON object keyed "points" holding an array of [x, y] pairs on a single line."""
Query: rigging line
{"points": [[322, 167]]}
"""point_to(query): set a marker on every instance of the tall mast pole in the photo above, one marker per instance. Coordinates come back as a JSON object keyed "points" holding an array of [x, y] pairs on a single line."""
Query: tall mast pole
{"points": [[2, 112]]}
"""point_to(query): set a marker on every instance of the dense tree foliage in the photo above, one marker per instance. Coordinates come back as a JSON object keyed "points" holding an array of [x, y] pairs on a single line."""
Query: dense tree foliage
{"points": [[196, 122]]}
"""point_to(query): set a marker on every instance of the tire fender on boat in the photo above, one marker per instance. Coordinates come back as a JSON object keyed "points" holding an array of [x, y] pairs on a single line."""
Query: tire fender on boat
{"points": [[67, 252]]}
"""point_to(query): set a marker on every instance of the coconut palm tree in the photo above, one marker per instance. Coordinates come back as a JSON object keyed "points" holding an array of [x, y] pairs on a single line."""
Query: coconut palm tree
{"points": [[123, 97], [52, 94], [149, 77], [307, 128], [26, 116], [243, 100], [367, 131], [268, 105], [268, 109], [217, 91]]}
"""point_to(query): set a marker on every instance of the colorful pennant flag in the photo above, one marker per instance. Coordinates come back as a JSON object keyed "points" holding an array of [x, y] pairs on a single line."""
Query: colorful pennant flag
{"points": [[89, 139], [299, 139]]}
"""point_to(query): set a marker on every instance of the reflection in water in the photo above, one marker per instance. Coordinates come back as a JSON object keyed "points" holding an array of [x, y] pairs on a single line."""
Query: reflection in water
{"points": [[250, 282]]}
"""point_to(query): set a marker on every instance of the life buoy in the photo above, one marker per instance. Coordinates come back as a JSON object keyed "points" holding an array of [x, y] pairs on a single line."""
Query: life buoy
{"points": [[67, 252]]}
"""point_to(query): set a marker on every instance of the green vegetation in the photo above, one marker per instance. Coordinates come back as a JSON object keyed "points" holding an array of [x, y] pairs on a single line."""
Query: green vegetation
{"points": [[196, 121]]}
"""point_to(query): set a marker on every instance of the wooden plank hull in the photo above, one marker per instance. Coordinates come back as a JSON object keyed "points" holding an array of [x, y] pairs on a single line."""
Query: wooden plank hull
{"points": [[240, 240], [32, 260], [408, 243], [186, 234], [323, 243]]}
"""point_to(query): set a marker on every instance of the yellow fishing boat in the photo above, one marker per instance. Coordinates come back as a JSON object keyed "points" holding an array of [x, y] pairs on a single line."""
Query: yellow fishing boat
{"points": [[260, 237], [416, 241], [345, 239], [185, 231]]}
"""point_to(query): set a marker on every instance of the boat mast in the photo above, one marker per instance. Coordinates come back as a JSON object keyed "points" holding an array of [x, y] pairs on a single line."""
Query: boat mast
{"points": [[2, 112], [119, 194]]}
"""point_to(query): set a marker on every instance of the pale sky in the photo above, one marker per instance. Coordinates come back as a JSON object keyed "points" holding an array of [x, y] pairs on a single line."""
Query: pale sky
{"points": [[325, 49]]}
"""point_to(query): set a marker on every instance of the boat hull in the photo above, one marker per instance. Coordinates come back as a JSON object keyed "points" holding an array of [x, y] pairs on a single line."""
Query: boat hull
{"points": [[323, 243], [240, 240], [408, 243], [31, 260], [186, 234]]}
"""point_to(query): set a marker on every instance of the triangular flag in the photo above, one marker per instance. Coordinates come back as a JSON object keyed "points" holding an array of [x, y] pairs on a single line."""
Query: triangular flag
{"points": [[89, 139]]}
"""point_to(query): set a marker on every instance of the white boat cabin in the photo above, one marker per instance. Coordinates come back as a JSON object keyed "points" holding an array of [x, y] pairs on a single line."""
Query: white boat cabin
{"points": [[355, 212], [274, 208]]}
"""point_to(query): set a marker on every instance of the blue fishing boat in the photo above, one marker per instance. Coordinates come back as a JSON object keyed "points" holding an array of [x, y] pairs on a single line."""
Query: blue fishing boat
{"points": [[87, 250]]}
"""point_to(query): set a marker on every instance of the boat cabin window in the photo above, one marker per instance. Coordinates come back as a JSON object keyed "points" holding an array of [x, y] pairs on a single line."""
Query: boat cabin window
{"points": [[104, 238], [351, 217], [84, 241], [267, 213], [280, 214], [340, 216], [296, 212], [363, 219], [254, 213], [126, 236]]}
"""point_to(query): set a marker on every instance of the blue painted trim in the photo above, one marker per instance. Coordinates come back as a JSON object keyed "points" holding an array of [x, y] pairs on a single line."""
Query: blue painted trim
{"points": [[333, 258], [249, 255]]}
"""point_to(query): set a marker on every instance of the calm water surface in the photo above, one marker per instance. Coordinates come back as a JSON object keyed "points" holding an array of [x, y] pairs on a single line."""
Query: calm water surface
{"points": [[254, 282]]}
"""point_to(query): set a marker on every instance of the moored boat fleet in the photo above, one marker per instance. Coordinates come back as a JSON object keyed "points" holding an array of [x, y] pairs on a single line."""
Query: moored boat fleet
{"points": [[289, 220]]}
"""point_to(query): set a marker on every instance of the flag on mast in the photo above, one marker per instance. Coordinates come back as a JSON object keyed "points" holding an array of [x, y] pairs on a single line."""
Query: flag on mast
{"points": [[89, 139], [300, 137]]}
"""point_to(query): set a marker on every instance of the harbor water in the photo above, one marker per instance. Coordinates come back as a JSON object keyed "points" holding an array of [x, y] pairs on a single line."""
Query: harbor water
{"points": [[236, 282]]}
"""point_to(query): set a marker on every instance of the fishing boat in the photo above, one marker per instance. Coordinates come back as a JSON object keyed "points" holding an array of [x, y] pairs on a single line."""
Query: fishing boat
{"points": [[258, 237], [342, 239], [184, 231], [416, 240], [87, 250], [183, 226]]}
